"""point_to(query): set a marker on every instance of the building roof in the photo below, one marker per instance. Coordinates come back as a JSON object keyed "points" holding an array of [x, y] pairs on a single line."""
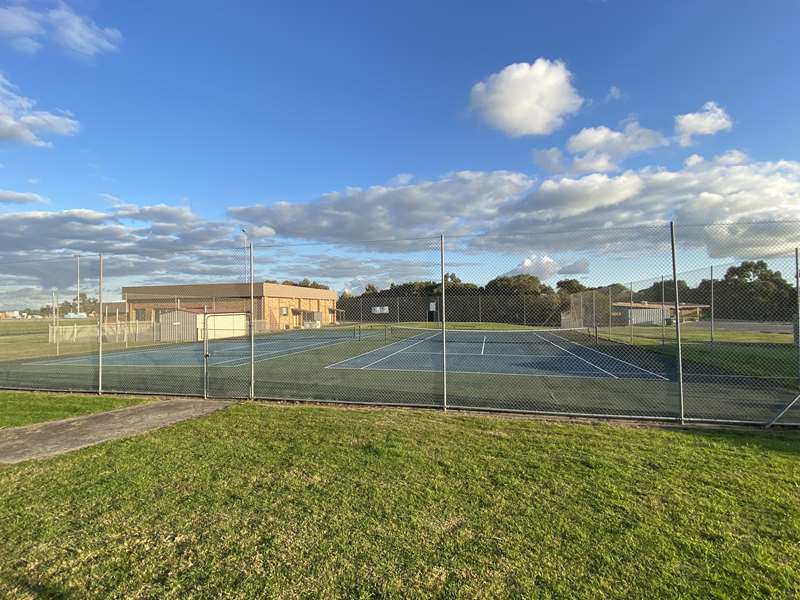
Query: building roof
{"points": [[225, 290]]}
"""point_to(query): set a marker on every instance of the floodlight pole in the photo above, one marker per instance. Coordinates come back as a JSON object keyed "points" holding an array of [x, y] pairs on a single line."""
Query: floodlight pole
{"points": [[444, 325], [677, 321], [100, 328]]}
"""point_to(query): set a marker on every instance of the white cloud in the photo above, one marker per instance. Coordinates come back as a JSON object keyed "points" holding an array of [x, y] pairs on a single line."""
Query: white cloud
{"points": [[593, 162], [11, 197], [527, 99], [600, 148], [732, 157], [24, 29], [708, 121], [20, 123], [542, 267], [693, 160], [452, 203]]}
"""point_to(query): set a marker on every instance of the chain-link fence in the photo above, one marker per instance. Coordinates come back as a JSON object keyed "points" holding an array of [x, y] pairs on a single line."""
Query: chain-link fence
{"points": [[608, 322]]}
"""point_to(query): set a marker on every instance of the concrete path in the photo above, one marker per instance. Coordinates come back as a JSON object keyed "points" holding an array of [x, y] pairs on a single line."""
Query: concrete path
{"points": [[42, 440]]}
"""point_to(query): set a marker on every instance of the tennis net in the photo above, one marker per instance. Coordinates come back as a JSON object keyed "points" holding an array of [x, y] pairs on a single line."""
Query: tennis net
{"points": [[581, 335]]}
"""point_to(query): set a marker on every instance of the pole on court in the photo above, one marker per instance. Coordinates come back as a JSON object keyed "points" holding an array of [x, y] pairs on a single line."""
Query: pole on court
{"points": [[712, 304], [444, 325]]}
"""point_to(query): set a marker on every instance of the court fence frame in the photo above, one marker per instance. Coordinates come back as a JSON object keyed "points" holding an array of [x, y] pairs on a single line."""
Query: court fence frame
{"points": [[104, 331]]}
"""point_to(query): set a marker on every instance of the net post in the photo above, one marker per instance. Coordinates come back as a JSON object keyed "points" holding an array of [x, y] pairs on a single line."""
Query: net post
{"points": [[252, 390], [99, 328], [677, 321], [712, 304], [444, 324], [205, 352]]}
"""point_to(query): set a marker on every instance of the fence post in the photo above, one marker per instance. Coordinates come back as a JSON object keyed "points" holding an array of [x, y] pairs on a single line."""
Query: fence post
{"points": [[100, 330], [610, 313], [444, 325], [594, 316], [205, 352], [712, 304], [78, 283], [663, 315], [677, 320], [398, 310], [796, 328], [252, 392], [630, 315]]}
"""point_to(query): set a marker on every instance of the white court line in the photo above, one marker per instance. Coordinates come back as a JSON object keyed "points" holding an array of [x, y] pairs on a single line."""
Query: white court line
{"points": [[576, 356], [611, 357], [562, 375], [483, 347], [368, 352], [451, 353], [401, 350], [247, 357]]}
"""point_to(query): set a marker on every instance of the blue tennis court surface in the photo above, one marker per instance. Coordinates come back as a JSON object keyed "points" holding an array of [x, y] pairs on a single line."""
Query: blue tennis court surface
{"points": [[534, 353], [227, 353], [544, 354]]}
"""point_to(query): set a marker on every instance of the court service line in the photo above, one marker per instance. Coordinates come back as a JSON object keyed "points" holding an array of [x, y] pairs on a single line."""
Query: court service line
{"points": [[578, 357], [246, 357], [401, 350], [483, 346], [611, 357]]}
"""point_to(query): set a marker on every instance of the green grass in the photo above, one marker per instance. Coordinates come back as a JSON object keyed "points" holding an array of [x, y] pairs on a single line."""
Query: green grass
{"points": [[24, 408], [300, 501]]}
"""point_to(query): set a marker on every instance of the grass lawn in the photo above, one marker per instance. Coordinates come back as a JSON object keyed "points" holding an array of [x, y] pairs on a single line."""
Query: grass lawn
{"points": [[24, 408], [265, 500]]}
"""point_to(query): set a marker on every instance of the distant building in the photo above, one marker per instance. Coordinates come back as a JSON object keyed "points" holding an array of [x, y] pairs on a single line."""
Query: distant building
{"points": [[652, 313], [276, 306]]}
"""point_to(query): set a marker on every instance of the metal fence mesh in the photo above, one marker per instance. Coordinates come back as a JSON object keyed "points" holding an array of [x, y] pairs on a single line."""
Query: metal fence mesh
{"points": [[543, 321]]}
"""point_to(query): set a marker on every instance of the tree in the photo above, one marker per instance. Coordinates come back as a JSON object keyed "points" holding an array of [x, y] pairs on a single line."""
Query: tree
{"points": [[514, 285], [570, 286], [370, 290]]}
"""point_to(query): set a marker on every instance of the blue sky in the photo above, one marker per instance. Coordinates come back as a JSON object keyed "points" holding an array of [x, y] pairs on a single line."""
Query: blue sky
{"points": [[215, 112]]}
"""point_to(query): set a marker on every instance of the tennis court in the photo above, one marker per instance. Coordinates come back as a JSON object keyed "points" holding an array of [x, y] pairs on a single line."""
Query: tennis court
{"points": [[221, 353], [545, 353]]}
